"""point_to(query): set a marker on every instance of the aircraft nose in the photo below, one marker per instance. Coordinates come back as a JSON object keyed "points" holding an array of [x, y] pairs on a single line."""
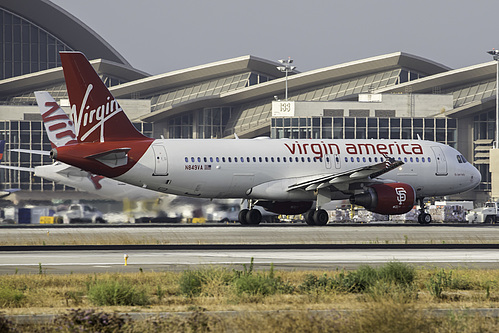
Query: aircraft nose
{"points": [[476, 177]]}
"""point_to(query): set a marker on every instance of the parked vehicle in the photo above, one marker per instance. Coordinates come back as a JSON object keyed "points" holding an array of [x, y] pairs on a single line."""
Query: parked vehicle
{"points": [[486, 214], [80, 213]]}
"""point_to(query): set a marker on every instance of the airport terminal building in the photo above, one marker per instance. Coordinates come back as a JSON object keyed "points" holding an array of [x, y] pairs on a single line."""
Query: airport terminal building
{"points": [[396, 96]]}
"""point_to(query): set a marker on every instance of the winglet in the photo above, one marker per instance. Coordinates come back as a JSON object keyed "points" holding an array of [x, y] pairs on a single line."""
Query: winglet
{"points": [[96, 114], [58, 126]]}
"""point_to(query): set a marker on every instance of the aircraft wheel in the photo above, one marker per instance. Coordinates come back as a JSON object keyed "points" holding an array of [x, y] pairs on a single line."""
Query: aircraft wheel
{"points": [[309, 217], [321, 217], [254, 217], [490, 219], [242, 216], [424, 218]]}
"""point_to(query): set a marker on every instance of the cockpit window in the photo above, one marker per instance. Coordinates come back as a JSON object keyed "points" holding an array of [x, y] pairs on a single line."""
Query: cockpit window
{"points": [[461, 159]]}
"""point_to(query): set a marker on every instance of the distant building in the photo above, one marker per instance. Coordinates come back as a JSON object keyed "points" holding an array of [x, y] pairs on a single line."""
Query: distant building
{"points": [[396, 95]]}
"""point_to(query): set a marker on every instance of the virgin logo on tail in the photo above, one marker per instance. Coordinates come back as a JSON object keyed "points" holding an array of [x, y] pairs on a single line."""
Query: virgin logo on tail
{"points": [[96, 114], [91, 120], [60, 128]]}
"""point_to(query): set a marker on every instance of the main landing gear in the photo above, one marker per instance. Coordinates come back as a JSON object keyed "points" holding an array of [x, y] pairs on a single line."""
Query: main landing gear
{"points": [[319, 216], [250, 215], [423, 217], [316, 217]]}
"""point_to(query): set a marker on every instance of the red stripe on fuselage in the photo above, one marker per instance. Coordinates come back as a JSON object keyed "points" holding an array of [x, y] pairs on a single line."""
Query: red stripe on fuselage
{"points": [[76, 155]]}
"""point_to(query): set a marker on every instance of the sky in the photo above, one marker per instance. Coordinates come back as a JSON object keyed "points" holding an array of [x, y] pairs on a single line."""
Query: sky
{"points": [[159, 36]]}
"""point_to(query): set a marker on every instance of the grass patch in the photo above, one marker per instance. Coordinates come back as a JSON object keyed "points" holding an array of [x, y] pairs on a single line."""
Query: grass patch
{"points": [[363, 279], [260, 284], [10, 297], [250, 290], [117, 292]]}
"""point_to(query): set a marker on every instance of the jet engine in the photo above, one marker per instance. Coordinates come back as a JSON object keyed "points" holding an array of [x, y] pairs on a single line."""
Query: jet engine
{"points": [[286, 207], [387, 199]]}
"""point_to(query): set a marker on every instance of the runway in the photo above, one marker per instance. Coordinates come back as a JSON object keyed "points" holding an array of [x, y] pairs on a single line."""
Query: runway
{"points": [[264, 234], [65, 262], [161, 248]]}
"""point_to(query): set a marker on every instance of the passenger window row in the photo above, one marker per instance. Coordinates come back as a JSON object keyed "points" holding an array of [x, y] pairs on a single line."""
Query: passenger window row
{"points": [[252, 159], [381, 159], [304, 159]]}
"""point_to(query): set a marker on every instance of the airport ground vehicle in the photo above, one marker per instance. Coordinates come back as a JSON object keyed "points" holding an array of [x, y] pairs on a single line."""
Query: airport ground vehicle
{"points": [[80, 213], [489, 213]]}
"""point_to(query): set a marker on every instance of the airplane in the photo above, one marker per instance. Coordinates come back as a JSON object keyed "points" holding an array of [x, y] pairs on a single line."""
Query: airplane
{"points": [[60, 130], [285, 176]]}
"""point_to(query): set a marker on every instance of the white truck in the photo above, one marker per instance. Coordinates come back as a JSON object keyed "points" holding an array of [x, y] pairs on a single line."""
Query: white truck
{"points": [[80, 213], [489, 213]]}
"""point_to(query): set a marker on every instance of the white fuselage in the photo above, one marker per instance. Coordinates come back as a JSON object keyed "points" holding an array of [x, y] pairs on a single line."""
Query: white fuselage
{"points": [[264, 168]]}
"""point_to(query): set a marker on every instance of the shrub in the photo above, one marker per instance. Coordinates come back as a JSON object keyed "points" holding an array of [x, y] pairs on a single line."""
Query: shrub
{"points": [[116, 293], [359, 280], [383, 291], [393, 273], [261, 283], [190, 283], [398, 273], [313, 283], [439, 281], [10, 297], [210, 281], [89, 321]]}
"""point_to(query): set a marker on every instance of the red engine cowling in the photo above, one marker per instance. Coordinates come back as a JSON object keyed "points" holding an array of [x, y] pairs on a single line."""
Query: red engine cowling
{"points": [[286, 207], [387, 199]]}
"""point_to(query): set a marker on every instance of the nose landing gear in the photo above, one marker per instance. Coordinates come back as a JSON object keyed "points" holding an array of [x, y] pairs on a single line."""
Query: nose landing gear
{"points": [[423, 217]]}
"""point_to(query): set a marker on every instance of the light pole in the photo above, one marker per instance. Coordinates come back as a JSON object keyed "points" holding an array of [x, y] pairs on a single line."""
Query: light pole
{"points": [[495, 54], [285, 69]]}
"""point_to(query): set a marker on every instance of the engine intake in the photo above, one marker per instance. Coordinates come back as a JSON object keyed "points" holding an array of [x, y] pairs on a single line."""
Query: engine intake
{"points": [[387, 199]]}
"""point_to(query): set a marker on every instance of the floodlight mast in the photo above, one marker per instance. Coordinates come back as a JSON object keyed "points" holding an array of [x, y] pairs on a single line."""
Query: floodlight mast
{"points": [[495, 55], [285, 69]]}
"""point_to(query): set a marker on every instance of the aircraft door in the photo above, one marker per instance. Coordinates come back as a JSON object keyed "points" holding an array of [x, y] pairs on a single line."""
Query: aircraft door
{"points": [[160, 160], [440, 160]]}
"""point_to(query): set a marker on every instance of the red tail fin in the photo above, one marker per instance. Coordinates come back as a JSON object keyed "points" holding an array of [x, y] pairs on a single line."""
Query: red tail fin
{"points": [[97, 116]]}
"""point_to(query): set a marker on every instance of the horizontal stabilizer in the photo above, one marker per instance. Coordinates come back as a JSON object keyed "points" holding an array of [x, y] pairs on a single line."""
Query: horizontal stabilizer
{"points": [[29, 151], [17, 168]]}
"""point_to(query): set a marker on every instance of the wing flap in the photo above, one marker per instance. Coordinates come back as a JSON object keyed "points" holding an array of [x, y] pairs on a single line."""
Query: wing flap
{"points": [[340, 180]]}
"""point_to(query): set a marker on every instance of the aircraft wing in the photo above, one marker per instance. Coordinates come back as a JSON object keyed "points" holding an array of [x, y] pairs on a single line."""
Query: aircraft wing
{"points": [[342, 181]]}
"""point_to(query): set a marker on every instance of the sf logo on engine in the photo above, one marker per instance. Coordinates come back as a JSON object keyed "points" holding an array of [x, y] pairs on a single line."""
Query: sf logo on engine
{"points": [[401, 195]]}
